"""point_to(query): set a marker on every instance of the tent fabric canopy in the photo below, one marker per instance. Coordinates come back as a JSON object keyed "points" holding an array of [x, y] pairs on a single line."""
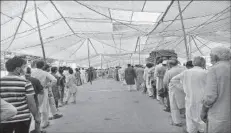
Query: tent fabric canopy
{"points": [[115, 31]]}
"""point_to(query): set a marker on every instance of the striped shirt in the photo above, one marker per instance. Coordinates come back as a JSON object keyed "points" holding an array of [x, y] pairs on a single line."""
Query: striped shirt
{"points": [[14, 90]]}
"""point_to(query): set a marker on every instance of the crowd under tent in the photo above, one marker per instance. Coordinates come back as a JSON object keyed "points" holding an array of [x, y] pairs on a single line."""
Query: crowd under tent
{"points": [[112, 33]]}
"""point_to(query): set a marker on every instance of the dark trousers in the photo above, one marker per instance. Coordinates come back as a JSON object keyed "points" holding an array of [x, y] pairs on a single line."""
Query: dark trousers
{"points": [[16, 127], [145, 88], [168, 102], [154, 91], [56, 103]]}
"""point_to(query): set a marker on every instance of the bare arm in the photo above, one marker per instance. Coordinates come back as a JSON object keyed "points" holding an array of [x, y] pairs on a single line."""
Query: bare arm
{"points": [[31, 101]]}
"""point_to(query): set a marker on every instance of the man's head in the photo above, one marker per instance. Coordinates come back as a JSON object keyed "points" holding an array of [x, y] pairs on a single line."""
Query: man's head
{"points": [[70, 71], [199, 61], [40, 64], [61, 70], [173, 62], [220, 54], [189, 64], [164, 63], [28, 72], [76, 69], [16, 65], [46, 68], [149, 65], [160, 60], [129, 65], [54, 70], [33, 64]]}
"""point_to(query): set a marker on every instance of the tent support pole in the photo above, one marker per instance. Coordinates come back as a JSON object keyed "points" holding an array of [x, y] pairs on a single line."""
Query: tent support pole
{"points": [[190, 47], [139, 52], [89, 62], [39, 31], [101, 61], [183, 29]]}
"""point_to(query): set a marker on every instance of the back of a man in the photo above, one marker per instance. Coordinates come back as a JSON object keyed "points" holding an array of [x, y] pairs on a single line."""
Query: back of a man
{"points": [[174, 70], [19, 92], [194, 81], [46, 80]]}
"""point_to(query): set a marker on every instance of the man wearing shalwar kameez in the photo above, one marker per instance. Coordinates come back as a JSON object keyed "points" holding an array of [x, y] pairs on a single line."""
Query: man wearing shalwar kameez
{"points": [[140, 79], [177, 98], [174, 70], [159, 77], [148, 75], [130, 77], [216, 100], [194, 81]]}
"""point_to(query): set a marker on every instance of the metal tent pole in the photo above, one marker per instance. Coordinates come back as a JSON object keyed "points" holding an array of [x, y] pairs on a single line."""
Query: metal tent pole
{"points": [[89, 62], [139, 51], [101, 61], [39, 31], [190, 47], [183, 29]]}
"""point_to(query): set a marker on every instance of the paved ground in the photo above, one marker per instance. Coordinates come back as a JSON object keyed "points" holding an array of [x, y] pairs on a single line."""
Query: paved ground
{"points": [[107, 106]]}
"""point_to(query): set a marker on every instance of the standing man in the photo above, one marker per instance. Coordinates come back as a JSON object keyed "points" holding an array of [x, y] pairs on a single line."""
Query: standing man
{"points": [[130, 77], [216, 100], [83, 76], [140, 79], [55, 87], [194, 81], [39, 93], [117, 73], [159, 76], [19, 92], [47, 81], [174, 70]]}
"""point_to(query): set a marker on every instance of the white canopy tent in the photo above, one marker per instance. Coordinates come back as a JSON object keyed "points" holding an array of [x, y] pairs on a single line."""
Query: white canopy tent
{"points": [[114, 32]]}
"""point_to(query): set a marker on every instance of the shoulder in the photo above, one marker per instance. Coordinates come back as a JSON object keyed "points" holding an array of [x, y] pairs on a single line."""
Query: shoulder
{"points": [[13, 78]]}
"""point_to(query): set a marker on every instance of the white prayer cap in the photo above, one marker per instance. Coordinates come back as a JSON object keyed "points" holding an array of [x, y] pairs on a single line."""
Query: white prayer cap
{"points": [[164, 62]]}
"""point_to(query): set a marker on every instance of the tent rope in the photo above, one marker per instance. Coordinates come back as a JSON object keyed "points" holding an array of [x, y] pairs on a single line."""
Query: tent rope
{"points": [[93, 46], [77, 49], [202, 42], [108, 17], [161, 18], [24, 9], [64, 18], [65, 48], [197, 46]]}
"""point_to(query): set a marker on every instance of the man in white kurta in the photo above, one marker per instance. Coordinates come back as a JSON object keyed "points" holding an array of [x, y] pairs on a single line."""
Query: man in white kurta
{"points": [[46, 80], [139, 74], [159, 84], [194, 81], [216, 100], [159, 76], [177, 98], [83, 76], [174, 70]]}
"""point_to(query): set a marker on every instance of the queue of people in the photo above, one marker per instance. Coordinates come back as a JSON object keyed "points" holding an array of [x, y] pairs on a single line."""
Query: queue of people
{"points": [[40, 90], [192, 93]]}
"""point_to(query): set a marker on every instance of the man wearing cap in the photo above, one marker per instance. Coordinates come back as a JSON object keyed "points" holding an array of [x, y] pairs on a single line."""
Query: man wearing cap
{"points": [[159, 76]]}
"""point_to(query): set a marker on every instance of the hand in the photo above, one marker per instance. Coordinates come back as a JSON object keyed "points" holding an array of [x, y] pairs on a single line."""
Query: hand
{"points": [[37, 119], [204, 116]]}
